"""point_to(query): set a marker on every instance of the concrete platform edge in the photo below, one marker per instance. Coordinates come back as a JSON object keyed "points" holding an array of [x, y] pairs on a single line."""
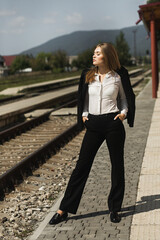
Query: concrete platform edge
{"points": [[44, 223]]}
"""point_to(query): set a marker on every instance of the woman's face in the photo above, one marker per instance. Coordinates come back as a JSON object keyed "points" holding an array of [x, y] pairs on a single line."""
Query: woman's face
{"points": [[98, 58]]}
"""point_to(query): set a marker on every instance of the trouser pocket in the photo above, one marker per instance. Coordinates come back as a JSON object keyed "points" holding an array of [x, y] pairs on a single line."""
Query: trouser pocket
{"points": [[86, 123]]}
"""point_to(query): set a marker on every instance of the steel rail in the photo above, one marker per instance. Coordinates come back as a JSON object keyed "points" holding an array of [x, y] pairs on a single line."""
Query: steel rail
{"points": [[17, 172], [22, 127]]}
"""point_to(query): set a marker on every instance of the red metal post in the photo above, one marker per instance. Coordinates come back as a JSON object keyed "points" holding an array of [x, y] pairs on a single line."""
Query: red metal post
{"points": [[157, 64], [154, 59]]}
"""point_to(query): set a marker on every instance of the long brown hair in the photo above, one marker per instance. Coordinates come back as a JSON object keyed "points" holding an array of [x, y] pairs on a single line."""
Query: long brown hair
{"points": [[110, 58]]}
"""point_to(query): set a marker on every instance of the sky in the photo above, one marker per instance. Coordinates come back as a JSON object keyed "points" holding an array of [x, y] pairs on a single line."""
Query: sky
{"points": [[28, 23]]}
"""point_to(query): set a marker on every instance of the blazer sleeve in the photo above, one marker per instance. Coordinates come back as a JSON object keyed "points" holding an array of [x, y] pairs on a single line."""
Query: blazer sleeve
{"points": [[81, 96], [130, 96]]}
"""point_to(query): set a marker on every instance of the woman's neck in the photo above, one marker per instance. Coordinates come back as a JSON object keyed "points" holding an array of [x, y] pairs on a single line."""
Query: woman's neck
{"points": [[103, 70]]}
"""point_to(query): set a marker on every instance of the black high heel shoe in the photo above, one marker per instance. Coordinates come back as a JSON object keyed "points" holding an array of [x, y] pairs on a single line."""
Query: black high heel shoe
{"points": [[115, 217], [57, 218]]}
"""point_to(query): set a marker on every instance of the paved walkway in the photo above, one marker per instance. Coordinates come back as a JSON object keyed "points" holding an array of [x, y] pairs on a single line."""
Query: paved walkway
{"points": [[140, 211], [146, 219]]}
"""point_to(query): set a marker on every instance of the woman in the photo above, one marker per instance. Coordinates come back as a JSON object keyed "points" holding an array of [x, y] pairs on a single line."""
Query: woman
{"points": [[105, 99]]}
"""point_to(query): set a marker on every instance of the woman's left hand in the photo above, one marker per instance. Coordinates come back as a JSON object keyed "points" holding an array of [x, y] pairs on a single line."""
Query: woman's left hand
{"points": [[121, 116]]}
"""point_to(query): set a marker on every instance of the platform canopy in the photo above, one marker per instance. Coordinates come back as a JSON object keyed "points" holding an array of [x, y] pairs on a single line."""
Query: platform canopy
{"points": [[150, 15], [150, 12]]}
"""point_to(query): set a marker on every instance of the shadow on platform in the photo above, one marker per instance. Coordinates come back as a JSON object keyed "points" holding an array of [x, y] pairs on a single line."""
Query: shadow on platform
{"points": [[147, 203]]}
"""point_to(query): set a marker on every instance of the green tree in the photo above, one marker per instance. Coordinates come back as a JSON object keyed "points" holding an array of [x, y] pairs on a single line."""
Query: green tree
{"points": [[84, 59], [48, 61], [20, 62], [42, 62], [123, 49], [60, 61]]}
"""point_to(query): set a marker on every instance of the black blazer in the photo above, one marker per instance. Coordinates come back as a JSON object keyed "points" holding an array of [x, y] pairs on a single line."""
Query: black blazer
{"points": [[130, 96]]}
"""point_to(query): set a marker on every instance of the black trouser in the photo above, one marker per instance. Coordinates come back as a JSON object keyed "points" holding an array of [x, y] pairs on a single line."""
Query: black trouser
{"points": [[99, 128]]}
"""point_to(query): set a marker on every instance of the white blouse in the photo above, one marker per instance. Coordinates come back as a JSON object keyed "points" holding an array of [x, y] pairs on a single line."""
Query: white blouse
{"points": [[101, 97]]}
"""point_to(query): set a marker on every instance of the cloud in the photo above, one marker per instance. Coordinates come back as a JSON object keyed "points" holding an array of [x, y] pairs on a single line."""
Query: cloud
{"points": [[49, 20], [107, 18], [3, 31], [18, 22], [12, 31], [75, 18], [4, 13], [17, 31]]}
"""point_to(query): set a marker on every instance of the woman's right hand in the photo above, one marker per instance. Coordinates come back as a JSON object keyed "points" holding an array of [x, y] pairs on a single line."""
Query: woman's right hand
{"points": [[84, 119]]}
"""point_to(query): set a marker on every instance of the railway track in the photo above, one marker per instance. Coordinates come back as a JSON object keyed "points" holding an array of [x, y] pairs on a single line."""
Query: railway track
{"points": [[26, 151], [44, 180], [27, 205], [21, 151]]}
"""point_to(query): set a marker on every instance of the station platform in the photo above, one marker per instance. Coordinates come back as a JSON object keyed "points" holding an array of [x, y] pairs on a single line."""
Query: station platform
{"points": [[141, 205], [16, 90], [11, 111]]}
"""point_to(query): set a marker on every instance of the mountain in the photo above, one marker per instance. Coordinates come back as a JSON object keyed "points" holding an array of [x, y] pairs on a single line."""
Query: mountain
{"points": [[76, 42]]}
